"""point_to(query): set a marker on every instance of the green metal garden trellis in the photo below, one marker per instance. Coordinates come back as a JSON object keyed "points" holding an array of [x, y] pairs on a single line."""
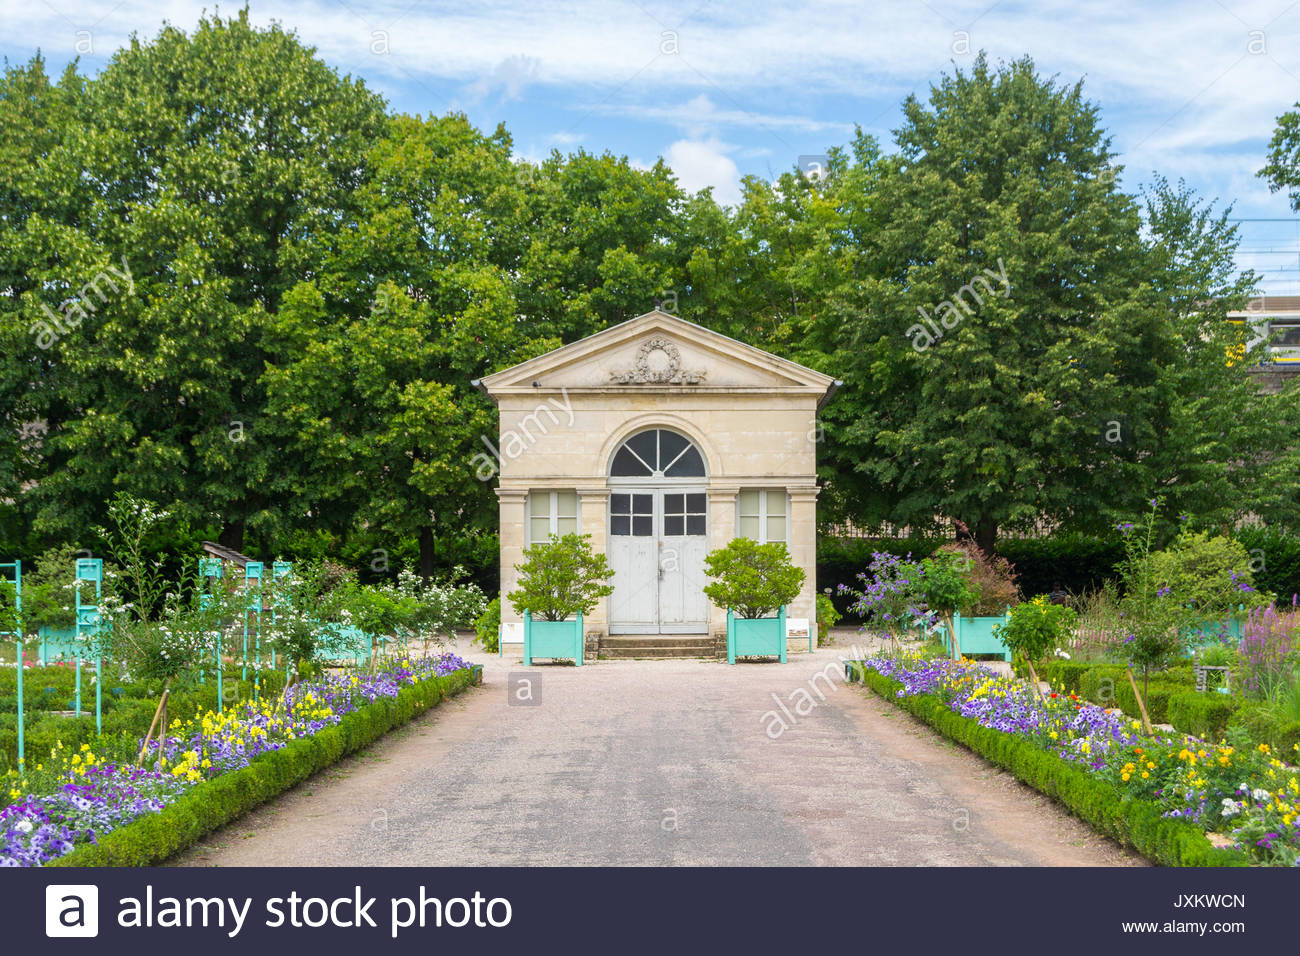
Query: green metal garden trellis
{"points": [[17, 633], [210, 570], [89, 622], [253, 573]]}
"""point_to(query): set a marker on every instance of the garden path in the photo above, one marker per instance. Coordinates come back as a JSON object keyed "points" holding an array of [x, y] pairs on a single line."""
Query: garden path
{"points": [[678, 762]]}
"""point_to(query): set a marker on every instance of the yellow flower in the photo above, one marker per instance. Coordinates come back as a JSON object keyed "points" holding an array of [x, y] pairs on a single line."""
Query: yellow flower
{"points": [[1145, 775]]}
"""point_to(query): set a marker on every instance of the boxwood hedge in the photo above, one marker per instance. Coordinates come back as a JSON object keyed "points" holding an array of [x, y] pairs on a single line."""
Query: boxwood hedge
{"points": [[216, 802], [1135, 823]]}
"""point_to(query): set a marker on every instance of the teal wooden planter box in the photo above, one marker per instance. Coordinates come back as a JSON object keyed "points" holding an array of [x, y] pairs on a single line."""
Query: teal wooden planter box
{"points": [[552, 639], [1210, 632], [975, 635], [756, 636]]}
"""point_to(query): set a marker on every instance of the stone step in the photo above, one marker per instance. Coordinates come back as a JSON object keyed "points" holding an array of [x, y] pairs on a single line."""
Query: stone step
{"points": [[630, 646], [656, 640], [616, 652]]}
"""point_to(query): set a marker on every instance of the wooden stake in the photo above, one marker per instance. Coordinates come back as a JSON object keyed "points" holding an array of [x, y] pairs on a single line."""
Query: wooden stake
{"points": [[952, 635], [1146, 721], [1033, 676], [149, 736]]}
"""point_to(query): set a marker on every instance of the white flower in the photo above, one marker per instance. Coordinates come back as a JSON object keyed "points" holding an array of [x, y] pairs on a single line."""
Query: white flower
{"points": [[1261, 795], [23, 826], [1230, 807]]}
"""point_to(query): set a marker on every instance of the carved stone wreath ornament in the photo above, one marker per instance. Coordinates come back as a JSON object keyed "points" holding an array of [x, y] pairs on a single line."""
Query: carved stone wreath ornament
{"points": [[669, 372]]}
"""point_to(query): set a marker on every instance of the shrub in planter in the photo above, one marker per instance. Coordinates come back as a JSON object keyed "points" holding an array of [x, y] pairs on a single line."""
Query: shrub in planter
{"points": [[561, 577], [752, 579]]}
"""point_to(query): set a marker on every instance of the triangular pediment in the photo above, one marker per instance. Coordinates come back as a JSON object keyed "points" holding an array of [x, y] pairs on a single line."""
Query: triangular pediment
{"points": [[658, 351]]}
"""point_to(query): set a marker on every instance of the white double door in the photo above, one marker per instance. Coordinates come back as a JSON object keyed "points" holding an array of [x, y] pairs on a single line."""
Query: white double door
{"points": [[657, 539]]}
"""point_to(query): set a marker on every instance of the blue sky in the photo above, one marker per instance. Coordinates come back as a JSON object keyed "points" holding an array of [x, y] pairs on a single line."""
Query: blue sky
{"points": [[723, 89]]}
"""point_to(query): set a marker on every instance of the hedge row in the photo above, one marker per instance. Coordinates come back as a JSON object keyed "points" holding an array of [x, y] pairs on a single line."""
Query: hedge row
{"points": [[214, 803], [1135, 823], [1076, 562]]}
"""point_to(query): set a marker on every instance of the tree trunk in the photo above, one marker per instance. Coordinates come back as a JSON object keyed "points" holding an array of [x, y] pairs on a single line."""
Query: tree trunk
{"points": [[427, 552], [986, 535], [232, 535]]}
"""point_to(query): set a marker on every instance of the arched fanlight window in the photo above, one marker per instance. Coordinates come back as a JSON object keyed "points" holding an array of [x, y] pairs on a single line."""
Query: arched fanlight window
{"points": [[657, 453]]}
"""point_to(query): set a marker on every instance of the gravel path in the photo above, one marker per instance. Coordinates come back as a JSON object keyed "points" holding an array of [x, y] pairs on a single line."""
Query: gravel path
{"points": [[662, 763]]}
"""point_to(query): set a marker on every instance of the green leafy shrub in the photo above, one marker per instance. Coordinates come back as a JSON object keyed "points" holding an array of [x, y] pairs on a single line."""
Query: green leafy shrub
{"points": [[561, 577], [752, 579], [1202, 714], [827, 616], [945, 585], [487, 627], [1076, 562], [1210, 574], [990, 582], [1035, 628]]}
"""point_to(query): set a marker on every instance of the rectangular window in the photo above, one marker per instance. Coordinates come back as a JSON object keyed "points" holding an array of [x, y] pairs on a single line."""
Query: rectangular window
{"points": [[1285, 335], [684, 514], [761, 514], [551, 513], [632, 515]]}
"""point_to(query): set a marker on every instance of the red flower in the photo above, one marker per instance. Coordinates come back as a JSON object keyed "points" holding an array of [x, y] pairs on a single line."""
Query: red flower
{"points": [[1055, 695]]}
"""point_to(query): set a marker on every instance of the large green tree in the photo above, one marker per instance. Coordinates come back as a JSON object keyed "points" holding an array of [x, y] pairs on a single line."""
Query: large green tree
{"points": [[195, 169], [1016, 354], [371, 376]]}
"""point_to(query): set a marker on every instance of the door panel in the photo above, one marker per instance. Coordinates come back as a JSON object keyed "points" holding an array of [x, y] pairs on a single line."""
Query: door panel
{"points": [[633, 554], [683, 608]]}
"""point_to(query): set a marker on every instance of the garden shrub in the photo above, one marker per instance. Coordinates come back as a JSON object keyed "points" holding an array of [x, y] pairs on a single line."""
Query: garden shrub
{"points": [[827, 616], [1076, 562], [1132, 822], [990, 582], [1035, 628], [560, 578], [487, 627], [1209, 573], [752, 579], [216, 802], [1203, 714]]}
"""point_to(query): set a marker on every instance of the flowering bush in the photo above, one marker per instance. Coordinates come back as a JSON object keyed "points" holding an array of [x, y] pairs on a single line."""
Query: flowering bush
{"points": [[95, 797], [1251, 795], [889, 596]]}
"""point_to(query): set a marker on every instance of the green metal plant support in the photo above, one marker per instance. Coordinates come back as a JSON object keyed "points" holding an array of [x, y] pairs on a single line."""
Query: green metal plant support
{"points": [[91, 571], [17, 633]]}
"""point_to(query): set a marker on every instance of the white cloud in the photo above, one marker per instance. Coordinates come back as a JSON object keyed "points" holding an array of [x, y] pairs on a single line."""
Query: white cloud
{"points": [[702, 163]]}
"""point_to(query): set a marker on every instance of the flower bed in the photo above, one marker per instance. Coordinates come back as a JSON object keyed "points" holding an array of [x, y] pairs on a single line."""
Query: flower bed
{"points": [[1251, 797], [95, 799]]}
